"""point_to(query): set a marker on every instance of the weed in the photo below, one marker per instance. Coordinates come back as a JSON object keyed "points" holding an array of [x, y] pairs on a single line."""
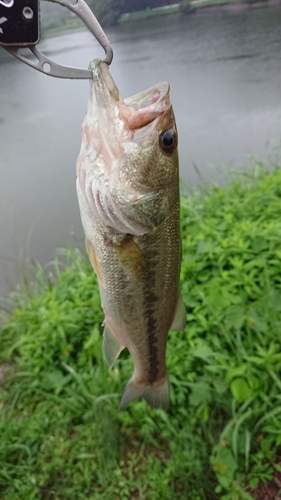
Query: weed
{"points": [[61, 437]]}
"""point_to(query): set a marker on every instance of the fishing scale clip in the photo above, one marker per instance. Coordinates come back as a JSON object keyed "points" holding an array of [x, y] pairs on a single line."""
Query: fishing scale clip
{"points": [[19, 28]]}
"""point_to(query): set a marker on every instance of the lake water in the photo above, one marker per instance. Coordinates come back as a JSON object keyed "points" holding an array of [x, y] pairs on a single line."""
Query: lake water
{"points": [[225, 74]]}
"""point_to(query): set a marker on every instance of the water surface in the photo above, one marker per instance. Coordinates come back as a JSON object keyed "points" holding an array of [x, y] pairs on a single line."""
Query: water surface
{"points": [[225, 74]]}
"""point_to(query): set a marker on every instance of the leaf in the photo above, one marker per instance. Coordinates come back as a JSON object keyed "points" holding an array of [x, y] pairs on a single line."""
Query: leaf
{"points": [[259, 243], [235, 372], [224, 465], [253, 382], [203, 412], [234, 298], [277, 467], [202, 247], [234, 316], [257, 322], [200, 394], [190, 302], [216, 300], [219, 386], [54, 379], [203, 352], [240, 390], [94, 340], [220, 467]]}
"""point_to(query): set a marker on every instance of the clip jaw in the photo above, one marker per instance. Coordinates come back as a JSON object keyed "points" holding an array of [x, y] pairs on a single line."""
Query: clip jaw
{"points": [[48, 67]]}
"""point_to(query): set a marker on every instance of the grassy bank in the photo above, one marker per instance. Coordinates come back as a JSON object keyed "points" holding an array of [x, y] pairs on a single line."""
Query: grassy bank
{"points": [[145, 14], [61, 437], [171, 9]]}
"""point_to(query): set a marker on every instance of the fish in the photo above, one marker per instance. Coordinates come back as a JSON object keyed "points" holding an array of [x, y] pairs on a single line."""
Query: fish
{"points": [[128, 194]]}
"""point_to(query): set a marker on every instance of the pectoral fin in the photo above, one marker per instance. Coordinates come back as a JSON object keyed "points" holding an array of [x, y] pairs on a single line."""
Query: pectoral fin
{"points": [[111, 346], [131, 256], [179, 320], [93, 260]]}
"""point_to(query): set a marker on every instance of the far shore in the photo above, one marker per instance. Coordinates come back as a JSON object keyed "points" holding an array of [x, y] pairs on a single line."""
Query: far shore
{"points": [[237, 6], [194, 7], [198, 6]]}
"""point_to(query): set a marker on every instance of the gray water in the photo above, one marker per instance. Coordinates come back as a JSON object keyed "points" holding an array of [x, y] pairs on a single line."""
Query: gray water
{"points": [[225, 74]]}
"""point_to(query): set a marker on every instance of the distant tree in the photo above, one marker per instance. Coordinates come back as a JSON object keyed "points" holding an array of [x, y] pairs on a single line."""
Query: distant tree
{"points": [[185, 7], [135, 5], [107, 11], [52, 16]]}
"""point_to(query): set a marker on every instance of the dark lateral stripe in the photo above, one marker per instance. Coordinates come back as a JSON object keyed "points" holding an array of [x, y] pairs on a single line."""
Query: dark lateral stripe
{"points": [[150, 299]]}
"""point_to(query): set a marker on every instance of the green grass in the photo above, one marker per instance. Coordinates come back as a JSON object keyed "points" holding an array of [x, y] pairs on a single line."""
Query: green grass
{"points": [[144, 14], [61, 437], [205, 3]]}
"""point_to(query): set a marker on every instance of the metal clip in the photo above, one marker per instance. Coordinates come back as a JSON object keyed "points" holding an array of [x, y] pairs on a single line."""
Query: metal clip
{"points": [[48, 67]]}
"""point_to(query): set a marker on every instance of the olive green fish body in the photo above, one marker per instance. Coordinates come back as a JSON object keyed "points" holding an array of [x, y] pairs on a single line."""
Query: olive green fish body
{"points": [[128, 192]]}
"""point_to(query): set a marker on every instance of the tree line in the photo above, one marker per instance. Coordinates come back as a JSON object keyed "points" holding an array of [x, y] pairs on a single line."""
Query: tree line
{"points": [[107, 12]]}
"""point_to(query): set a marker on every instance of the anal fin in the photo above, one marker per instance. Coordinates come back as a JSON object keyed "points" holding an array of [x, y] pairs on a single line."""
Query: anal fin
{"points": [[179, 320], [111, 347]]}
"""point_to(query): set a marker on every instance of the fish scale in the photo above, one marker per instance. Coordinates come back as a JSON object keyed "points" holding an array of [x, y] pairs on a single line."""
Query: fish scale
{"points": [[128, 193]]}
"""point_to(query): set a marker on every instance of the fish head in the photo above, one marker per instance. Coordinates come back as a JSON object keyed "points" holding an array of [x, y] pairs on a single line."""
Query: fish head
{"points": [[151, 151], [128, 164]]}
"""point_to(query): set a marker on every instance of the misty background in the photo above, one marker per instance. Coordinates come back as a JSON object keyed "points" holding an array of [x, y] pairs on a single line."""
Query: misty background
{"points": [[224, 70]]}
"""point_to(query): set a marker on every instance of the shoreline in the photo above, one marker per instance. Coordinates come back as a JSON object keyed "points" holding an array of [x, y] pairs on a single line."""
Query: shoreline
{"points": [[197, 6], [239, 6]]}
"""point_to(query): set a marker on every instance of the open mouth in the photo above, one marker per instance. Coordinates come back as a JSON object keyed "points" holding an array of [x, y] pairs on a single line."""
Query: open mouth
{"points": [[145, 107], [137, 111], [156, 96]]}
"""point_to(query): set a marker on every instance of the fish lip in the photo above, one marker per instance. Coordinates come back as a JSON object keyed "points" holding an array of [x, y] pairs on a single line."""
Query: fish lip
{"points": [[136, 111], [146, 107], [152, 97], [159, 93], [103, 85]]}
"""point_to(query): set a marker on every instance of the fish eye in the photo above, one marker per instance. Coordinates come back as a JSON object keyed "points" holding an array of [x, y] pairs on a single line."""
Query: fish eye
{"points": [[168, 141]]}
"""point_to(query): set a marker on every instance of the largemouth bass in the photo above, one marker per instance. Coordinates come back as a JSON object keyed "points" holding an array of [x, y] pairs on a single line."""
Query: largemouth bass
{"points": [[128, 192]]}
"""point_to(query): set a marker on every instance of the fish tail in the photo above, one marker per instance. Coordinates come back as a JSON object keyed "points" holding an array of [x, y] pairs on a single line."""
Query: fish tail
{"points": [[157, 396]]}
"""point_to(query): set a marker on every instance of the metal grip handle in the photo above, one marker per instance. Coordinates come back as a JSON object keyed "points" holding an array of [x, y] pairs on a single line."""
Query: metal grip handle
{"points": [[82, 10], [43, 63]]}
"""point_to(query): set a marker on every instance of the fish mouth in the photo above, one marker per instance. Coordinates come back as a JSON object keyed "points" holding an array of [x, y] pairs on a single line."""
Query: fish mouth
{"points": [[155, 97], [137, 111], [147, 106]]}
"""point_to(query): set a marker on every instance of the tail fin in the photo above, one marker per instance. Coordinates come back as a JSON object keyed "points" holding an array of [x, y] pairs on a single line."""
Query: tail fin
{"points": [[157, 396]]}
